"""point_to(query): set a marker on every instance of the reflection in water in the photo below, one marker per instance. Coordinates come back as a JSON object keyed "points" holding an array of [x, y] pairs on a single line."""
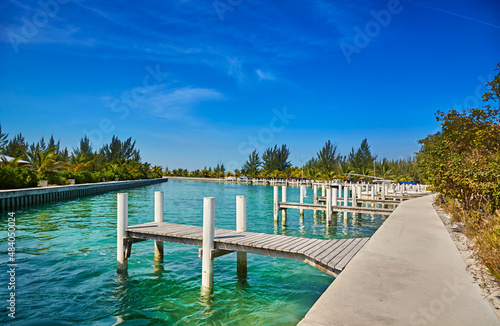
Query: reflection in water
{"points": [[68, 255]]}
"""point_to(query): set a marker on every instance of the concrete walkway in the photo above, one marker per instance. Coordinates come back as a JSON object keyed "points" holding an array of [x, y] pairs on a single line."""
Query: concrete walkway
{"points": [[409, 273]]}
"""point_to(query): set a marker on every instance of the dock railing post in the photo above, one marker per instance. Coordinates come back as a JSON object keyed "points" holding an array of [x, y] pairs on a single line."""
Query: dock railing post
{"points": [[275, 208], [241, 226], [346, 196], [283, 199], [328, 206], [207, 277], [159, 219], [302, 194], [121, 233]]}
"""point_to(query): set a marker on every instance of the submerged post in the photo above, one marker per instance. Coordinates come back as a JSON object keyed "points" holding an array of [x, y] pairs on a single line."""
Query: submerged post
{"points": [[207, 277], [159, 219], [283, 200], [241, 226], [328, 206], [121, 233], [276, 209], [303, 190]]}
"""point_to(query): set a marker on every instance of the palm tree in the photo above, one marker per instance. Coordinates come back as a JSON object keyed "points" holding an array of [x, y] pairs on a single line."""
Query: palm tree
{"points": [[343, 170], [384, 169], [5, 163], [312, 174], [43, 160]]}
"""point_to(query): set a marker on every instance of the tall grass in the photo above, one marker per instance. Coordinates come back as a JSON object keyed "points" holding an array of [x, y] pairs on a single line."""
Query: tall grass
{"points": [[483, 228]]}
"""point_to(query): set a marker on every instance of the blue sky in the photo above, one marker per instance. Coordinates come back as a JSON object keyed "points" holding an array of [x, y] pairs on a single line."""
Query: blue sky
{"points": [[197, 82]]}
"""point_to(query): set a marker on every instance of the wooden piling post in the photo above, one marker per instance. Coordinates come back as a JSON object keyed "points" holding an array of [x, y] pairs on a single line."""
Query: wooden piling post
{"points": [[207, 277], [275, 208], [346, 196], [241, 226], [159, 219], [315, 193], [355, 190], [283, 200], [302, 194], [372, 191], [328, 206], [334, 196], [121, 233]]}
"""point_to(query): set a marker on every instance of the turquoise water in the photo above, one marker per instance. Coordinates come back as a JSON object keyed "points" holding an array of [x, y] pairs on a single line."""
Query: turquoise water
{"points": [[66, 262]]}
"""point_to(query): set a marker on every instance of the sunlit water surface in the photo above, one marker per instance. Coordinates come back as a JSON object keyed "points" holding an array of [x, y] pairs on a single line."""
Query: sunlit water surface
{"points": [[66, 262]]}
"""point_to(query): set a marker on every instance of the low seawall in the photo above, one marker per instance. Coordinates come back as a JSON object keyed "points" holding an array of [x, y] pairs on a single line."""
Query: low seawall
{"points": [[15, 198]]}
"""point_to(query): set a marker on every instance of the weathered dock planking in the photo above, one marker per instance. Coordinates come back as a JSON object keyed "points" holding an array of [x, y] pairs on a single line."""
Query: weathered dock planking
{"points": [[350, 209], [330, 256], [395, 202]]}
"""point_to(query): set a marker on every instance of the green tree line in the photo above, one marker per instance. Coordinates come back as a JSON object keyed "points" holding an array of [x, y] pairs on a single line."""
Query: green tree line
{"points": [[49, 161], [328, 164]]}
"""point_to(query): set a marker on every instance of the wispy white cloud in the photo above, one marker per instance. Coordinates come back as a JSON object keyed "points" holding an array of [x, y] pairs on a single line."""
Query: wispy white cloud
{"points": [[175, 104], [265, 75], [458, 15], [235, 70]]}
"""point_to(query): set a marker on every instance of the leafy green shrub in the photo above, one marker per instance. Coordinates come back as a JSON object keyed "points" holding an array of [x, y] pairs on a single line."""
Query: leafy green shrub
{"points": [[109, 176], [28, 177], [83, 177], [96, 176], [53, 178], [19, 177], [66, 174]]}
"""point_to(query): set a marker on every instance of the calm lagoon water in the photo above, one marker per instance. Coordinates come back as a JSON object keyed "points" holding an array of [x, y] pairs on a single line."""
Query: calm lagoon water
{"points": [[66, 256]]}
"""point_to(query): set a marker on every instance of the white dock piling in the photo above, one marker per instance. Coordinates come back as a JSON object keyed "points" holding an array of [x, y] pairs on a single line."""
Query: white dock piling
{"points": [[275, 208], [302, 195], [283, 199], [315, 194], [207, 278], [355, 190], [346, 196], [334, 196], [328, 206], [241, 226], [121, 233], [159, 218]]}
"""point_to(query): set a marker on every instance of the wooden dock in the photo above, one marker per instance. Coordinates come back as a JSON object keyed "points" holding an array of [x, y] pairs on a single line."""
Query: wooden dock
{"points": [[350, 209], [330, 256], [322, 199]]}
